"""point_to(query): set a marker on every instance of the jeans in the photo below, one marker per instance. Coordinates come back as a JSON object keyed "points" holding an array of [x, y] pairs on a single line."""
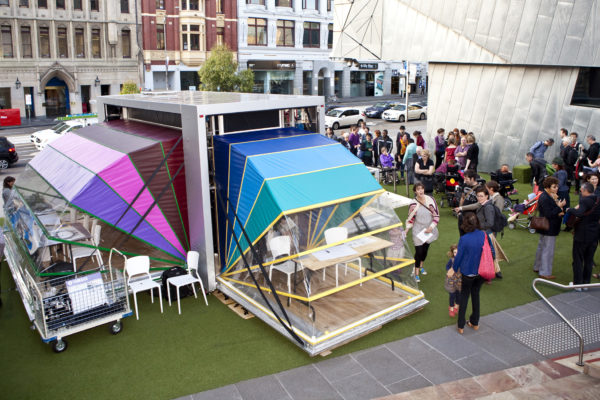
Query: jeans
{"points": [[454, 299], [544, 256], [470, 288], [583, 261]]}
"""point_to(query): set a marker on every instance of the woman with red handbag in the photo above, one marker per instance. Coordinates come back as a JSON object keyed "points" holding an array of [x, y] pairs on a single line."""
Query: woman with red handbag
{"points": [[468, 258]]}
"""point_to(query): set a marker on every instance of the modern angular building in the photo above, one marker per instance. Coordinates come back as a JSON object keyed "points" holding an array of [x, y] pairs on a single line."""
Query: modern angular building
{"points": [[59, 55], [178, 36], [512, 72]]}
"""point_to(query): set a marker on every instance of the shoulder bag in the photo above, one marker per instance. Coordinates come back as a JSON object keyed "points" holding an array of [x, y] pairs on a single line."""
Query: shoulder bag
{"points": [[487, 269]]}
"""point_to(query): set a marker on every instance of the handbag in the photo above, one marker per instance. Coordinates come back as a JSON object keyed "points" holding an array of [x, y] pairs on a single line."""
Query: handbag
{"points": [[453, 283], [539, 223], [572, 221], [486, 263]]}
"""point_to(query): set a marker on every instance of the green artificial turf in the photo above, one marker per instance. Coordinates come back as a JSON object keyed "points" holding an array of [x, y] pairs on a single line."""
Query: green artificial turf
{"points": [[164, 356]]}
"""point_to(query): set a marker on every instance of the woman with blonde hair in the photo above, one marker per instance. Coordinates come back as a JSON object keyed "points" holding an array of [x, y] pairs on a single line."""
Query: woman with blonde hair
{"points": [[424, 170], [472, 156]]}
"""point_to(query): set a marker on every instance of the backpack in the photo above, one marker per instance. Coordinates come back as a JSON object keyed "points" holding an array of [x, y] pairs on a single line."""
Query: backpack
{"points": [[184, 291], [500, 221]]}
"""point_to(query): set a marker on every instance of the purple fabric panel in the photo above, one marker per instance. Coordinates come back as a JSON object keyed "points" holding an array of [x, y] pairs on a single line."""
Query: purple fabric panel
{"points": [[67, 177], [111, 207], [123, 177], [85, 152]]}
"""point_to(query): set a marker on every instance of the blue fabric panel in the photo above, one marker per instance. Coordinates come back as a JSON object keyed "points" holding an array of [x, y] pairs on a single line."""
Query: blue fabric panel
{"points": [[259, 135], [322, 186], [282, 144]]}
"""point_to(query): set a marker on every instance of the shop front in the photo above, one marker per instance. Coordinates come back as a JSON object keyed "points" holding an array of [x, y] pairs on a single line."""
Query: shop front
{"points": [[367, 81], [275, 77]]}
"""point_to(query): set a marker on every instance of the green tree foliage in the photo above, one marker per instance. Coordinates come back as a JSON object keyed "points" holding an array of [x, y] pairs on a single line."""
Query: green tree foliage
{"points": [[130, 87], [219, 73]]}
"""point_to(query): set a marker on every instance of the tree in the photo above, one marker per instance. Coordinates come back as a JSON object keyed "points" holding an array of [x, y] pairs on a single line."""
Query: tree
{"points": [[130, 87], [219, 73]]}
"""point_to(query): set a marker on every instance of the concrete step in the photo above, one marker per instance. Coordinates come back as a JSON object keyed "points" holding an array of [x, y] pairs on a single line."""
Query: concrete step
{"points": [[592, 367]]}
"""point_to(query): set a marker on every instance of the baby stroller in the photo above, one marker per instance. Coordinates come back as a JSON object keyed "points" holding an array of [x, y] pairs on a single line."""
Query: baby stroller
{"points": [[506, 182], [452, 182], [522, 213]]}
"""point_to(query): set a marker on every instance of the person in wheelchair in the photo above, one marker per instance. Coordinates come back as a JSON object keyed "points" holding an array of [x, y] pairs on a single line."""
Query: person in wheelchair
{"points": [[505, 179], [386, 161]]}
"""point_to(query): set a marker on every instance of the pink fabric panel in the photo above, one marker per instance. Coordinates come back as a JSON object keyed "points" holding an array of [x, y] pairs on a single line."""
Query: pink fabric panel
{"points": [[125, 180], [93, 156]]}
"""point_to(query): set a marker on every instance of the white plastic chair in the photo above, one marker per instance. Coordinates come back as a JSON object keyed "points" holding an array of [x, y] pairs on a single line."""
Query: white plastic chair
{"points": [[188, 279], [140, 265], [334, 235], [280, 248], [84, 252]]}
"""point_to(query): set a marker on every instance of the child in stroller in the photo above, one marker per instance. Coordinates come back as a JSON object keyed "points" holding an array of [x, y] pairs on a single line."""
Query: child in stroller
{"points": [[447, 179], [522, 213], [504, 177]]}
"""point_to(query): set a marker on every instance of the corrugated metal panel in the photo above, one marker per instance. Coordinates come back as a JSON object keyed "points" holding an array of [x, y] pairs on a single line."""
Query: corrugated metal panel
{"points": [[499, 21], [472, 18], [511, 28], [558, 31]]}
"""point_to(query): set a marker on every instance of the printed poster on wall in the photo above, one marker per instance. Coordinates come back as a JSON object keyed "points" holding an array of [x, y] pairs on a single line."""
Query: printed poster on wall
{"points": [[379, 83]]}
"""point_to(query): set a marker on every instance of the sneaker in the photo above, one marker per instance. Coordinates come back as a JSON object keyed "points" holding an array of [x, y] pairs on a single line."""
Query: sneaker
{"points": [[417, 278], [423, 272], [451, 311]]}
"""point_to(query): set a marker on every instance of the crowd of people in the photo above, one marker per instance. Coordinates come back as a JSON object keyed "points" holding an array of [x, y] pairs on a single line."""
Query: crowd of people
{"points": [[480, 204]]}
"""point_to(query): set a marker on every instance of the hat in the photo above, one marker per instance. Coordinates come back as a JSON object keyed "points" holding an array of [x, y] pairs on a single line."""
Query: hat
{"points": [[558, 161]]}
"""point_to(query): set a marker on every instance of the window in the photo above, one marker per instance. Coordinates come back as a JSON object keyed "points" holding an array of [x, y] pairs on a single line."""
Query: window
{"points": [[194, 5], [94, 5], [283, 3], [257, 31], [329, 5], [220, 36], [77, 5], [126, 43], [4, 3], [587, 88], [262, 2], [61, 39], [7, 48], [96, 48], [23, 3], [311, 34], [42, 4], [44, 42], [285, 33], [310, 4], [330, 36], [219, 6], [79, 43], [60, 4], [160, 36], [124, 6], [195, 37], [26, 42], [160, 4]]}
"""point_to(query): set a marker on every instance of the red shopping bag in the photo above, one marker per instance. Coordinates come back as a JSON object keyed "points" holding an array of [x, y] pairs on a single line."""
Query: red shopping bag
{"points": [[486, 264]]}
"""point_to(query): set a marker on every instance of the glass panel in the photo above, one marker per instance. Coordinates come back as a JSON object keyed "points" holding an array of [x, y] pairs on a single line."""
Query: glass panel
{"points": [[96, 49], [283, 3], [194, 41], [44, 42], [60, 4], [194, 5], [26, 42], [42, 4], [94, 6], [160, 37], [7, 47], [61, 37], [125, 6], [79, 43], [126, 40], [77, 5]]}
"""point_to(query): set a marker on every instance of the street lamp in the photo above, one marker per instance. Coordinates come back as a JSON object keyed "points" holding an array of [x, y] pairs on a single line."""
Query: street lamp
{"points": [[18, 83], [97, 81]]}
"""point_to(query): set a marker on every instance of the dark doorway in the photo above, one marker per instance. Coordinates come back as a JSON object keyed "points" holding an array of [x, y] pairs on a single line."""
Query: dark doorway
{"points": [[57, 98], [189, 78], [104, 90], [85, 99], [29, 103]]}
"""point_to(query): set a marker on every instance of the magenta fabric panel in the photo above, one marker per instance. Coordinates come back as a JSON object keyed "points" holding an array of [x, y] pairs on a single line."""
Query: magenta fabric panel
{"points": [[123, 177], [94, 156]]}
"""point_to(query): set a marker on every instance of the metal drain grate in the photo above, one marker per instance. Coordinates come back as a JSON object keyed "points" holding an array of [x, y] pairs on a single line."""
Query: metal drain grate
{"points": [[559, 337]]}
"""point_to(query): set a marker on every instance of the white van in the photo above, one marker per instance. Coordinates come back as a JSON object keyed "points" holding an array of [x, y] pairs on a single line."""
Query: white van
{"points": [[41, 138]]}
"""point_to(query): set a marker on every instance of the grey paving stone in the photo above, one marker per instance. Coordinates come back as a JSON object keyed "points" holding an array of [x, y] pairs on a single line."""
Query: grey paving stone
{"points": [[266, 387], [505, 323], [229, 392], [542, 319], [188, 397], [339, 368], [429, 362], [569, 310], [524, 311], [405, 385], [482, 363], [307, 383], [569, 297], [447, 342], [360, 387], [384, 365], [589, 303], [503, 347]]}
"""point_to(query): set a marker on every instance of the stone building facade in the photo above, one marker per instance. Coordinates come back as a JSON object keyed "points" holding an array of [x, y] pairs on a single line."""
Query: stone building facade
{"points": [[59, 55]]}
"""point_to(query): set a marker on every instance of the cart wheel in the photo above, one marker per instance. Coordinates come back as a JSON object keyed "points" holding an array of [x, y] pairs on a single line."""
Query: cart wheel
{"points": [[507, 203], [116, 328], [59, 345], [511, 226], [531, 230]]}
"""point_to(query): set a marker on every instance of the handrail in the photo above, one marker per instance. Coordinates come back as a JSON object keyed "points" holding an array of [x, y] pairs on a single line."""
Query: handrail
{"points": [[570, 287]]}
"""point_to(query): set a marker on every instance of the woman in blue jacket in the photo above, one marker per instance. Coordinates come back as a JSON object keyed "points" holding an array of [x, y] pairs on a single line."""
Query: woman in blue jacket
{"points": [[467, 260]]}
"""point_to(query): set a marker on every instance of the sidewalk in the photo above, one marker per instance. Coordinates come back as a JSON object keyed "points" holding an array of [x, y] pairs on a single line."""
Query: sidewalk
{"points": [[31, 122], [510, 338], [412, 98]]}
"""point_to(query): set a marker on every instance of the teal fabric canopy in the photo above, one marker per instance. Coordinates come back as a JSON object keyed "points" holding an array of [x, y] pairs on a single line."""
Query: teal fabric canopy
{"points": [[263, 175]]}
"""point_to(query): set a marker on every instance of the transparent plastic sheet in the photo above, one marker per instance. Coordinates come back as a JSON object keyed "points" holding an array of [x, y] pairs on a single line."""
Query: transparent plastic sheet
{"points": [[56, 235], [373, 267]]}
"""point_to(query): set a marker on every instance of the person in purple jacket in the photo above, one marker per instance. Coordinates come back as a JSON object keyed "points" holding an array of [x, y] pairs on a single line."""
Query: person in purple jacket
{"points": [[467, 260], [354, 139], [440, 147]]}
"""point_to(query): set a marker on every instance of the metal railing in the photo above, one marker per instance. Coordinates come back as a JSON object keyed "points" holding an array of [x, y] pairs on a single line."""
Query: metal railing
{"points": [[568, 287]]}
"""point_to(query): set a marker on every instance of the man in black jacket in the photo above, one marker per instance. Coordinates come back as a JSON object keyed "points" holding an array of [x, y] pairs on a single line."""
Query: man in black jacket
{"points": [[538, 169], [585, 235], [592, 152]]}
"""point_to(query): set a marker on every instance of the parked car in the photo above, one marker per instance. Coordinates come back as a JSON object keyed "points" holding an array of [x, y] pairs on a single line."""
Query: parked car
{"points": [[43, 137], [398, 113], [8, 153], [343, 116], [376, 110]]}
